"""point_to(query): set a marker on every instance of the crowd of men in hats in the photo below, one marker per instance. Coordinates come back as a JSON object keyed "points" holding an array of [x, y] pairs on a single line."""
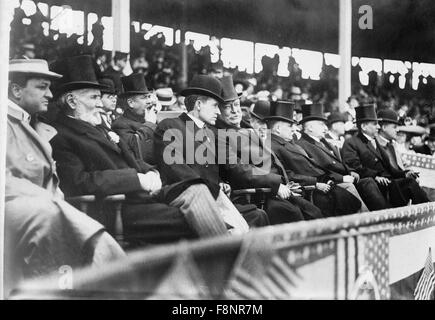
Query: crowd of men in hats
{"points": [[310, 170]]}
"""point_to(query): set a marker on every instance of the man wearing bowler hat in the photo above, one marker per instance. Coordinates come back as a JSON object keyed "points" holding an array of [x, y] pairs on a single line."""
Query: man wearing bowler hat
{"points": [[134, 126], [301, 168], [328, 157], [42, 232], [285, 203], [363, 153], [185, 146], [93, 162], [260, 110], [109, 99]]}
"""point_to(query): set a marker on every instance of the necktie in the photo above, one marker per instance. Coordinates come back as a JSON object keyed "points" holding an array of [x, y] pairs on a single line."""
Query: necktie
{"points": [[373, 142]]}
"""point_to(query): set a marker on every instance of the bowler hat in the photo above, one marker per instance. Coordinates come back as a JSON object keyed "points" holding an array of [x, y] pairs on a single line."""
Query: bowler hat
{"points": [[282, 111], [166, 96], [204, 85], [78, 73], [110, 86], [261, 109], [37, 67], [228, 91], [388, 115], [134, 84], [313, 112], [336, 117], [365, 113]]}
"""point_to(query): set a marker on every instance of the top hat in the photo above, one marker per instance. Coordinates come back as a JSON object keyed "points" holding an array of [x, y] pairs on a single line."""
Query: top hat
{"points": [[204, 85], [365, 112], [282, 111], [109, 84], [166, 96], [134, 84], [261, 109], [78, 73], [312, 112], [336, 117], [388, 115], [228, 91], [32, 66]]}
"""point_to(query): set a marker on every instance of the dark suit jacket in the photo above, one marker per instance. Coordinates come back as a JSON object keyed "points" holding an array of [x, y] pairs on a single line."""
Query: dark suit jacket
{"points": [[182, 147], [299, 165], [245, 174], [360, 156], [327, 157], [138, 134], [88, 163]]}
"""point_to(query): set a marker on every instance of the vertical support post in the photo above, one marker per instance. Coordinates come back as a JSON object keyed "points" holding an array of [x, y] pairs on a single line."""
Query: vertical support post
{"points": [[121, 25], [85, 25], [184, 61], [5, 18], [345, 51]]}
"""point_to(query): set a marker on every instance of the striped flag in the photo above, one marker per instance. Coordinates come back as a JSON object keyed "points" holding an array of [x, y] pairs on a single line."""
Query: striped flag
{"points": [[425, 285]]}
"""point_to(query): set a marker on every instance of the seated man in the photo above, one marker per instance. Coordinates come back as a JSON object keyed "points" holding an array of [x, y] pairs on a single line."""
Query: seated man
{"points": [[364, 155], [136, 126], [42, 232], [337, 129], [185, 148], [109, 99], [94, 161], [300, 167], [328, 157], [285, 204]]}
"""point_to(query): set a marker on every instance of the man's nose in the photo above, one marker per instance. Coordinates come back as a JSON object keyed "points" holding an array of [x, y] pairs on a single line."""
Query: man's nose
{"points": [[48, 94], [218, 111]]}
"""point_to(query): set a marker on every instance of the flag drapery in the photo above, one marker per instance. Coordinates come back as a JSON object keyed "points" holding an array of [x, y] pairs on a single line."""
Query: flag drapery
{"points": [[425, 285]]}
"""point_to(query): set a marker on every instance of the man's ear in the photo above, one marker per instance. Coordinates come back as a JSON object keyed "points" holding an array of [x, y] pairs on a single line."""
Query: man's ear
{"points": [[198, 104], [16, 90], [130, 102], [71, 101]]}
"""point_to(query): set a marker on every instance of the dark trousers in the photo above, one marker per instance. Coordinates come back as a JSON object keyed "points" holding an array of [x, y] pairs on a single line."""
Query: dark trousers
{"points": [[291, 210], [400, 191], [371, 194], [254, 217]]}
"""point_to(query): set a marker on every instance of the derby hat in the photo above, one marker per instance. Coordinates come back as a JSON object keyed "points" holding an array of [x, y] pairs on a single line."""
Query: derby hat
{"points": [[312, 112], [37, 67], [78, 73], [166, 96], [228, 91], [134, 84], [281, 111], [365, 112], [388, 116], [204, 85], [109, 84], [336, 117], [261, 109]]}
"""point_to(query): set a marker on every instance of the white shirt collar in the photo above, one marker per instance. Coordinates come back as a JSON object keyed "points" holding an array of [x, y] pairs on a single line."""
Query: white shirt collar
{"points": [[334, 136], [17, 112], [384, 140], [197, 121], [368, 137]]}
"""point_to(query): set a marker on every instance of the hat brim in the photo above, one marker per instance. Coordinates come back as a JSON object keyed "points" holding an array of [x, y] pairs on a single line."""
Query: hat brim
{"points": [[49, 74], [202, 92], [168, 103], [313, 119], [388, 121], [279, 119], [257, 116], [79, 85], [412, 130]]}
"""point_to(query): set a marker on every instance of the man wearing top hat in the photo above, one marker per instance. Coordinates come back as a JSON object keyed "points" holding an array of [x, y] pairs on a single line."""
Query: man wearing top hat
{"points": [[285, 203], [42, 231], [301, 168], [91, 161], [115, 71], [363, 153], [185, 146], [328, 157], [134, 126]]}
